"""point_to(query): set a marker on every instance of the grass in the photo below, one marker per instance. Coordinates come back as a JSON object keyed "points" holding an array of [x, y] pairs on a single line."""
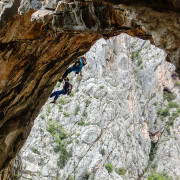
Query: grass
{"points": [[109, 167], [120, 171], [34, 150]]}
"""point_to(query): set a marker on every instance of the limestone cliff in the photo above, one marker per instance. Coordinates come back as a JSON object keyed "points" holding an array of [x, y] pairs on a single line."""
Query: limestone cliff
{"points": [[117, 113], [37, 46]]}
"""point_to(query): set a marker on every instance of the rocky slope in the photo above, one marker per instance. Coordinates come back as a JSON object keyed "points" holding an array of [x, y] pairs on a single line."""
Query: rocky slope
{"points": [[39, 39], [118, 122]]}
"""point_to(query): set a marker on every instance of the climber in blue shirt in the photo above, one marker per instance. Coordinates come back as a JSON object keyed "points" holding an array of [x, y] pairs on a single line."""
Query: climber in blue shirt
{"points": [[77, 67], [66, 90]]}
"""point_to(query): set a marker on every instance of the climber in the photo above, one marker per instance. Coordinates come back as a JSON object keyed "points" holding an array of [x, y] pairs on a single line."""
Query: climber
{"points": [[77, 67], [66, 90]]}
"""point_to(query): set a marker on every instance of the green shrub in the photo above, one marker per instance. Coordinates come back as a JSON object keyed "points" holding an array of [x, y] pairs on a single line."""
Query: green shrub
{"points": [[60, 108], [77, 110], [63, 101], [109, 167], [172, 118], [168, 96], [70, 178], [159, 176], [155, 103], [88, 102], [34, 150], [163, 112], [172, 104], [85, 114], [168, 130], [79, 79], [120, 171], [42, 116], [115, 51], [77, 141], [56, 131], [57, 148], [72, 94], [178, 110], [58, 84], [135, 71], [140, 62], [59, 135], [66, 114], [82, 123], [41, 130], [96, 97], [101, 87], [48, 108], [134, 55], [154, 166], [16, 176], [177, 83], [129, 135], [152, 151], [102, 151], [64, 156], [70, 141]]}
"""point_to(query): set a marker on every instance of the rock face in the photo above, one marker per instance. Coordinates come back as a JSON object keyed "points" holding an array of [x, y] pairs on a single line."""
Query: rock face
{"points": [[117, 113], [33, 55]]}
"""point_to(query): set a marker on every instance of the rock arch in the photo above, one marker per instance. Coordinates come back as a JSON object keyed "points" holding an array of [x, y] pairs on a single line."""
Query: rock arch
{"points": [[33, 55]]}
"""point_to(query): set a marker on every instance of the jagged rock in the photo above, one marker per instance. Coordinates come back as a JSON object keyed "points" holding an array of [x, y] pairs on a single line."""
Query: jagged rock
{"points": [[112, 117], [33, 56]]}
